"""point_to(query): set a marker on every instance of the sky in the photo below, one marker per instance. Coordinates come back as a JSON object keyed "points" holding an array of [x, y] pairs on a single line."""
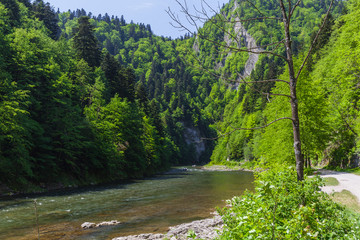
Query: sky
{"points": [[151, 12]]}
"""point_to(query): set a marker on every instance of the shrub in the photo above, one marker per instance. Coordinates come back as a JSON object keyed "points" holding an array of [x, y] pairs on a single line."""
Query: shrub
{"points": [[283, 208]]}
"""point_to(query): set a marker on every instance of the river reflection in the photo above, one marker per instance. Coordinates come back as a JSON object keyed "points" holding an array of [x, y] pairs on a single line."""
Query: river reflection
{"points": [[143, 206]]}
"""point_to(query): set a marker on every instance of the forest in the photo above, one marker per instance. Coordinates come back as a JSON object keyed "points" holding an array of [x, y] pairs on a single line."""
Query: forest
{"points": [[87, 100], [93, 99]]}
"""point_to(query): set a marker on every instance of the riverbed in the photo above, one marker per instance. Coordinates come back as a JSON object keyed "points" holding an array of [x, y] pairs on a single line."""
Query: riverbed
{"points": [[143, 206]]}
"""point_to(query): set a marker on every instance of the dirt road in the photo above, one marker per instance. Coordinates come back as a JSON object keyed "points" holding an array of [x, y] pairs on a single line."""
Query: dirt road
{"points": [[348, 181]]}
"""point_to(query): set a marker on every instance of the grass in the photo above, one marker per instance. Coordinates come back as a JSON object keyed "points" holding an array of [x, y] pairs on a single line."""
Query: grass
{"points": [[348, 170], [353, 170], [347, 199], [330, 181]]}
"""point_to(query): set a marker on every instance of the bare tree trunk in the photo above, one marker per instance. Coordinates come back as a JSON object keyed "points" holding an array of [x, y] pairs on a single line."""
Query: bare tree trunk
{"points": [[293, 100], [297, 142]]}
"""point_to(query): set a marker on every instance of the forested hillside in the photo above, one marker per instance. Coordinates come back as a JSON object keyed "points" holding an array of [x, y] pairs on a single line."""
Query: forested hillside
{"points": [[327, 95], [90, 99]]}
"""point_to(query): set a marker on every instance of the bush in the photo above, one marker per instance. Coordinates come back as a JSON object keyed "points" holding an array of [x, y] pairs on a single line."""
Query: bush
{"points": [[283, 208]]}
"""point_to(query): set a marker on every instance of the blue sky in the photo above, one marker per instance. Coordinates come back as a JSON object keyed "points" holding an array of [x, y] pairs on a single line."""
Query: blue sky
{"points": [[140, 11]]}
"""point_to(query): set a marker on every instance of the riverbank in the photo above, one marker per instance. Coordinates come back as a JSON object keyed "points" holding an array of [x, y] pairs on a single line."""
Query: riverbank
{"points": [[203, 229], [206, 229], [225, 168], [210, 228], [150, 205]]}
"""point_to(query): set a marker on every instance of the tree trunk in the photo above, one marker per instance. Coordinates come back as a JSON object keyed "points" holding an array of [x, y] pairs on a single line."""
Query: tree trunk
{"points": [[293, 100], [297, 142]]}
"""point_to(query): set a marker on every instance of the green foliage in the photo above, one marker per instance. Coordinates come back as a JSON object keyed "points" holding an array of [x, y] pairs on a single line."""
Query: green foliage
{"points": [[314, 127], [337, 74], [191, 235], [284, 208], [104, 100], [13, 11], [44, 12], [249, 109], [65, 120], [85, 43]]}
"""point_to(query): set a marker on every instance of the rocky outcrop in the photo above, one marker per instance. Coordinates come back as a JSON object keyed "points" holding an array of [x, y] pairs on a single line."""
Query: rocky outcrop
{"points": [[248, 42], [192, 136], [196, 46], [204, 229], [87, 225], [148, 236]]}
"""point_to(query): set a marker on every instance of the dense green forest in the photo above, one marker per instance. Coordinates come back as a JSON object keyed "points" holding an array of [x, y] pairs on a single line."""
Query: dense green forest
{"points": [[92, 99], [327, 97]]}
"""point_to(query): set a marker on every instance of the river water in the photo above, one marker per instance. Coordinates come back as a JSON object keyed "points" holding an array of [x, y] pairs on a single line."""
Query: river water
{"points": [[143, 206]]}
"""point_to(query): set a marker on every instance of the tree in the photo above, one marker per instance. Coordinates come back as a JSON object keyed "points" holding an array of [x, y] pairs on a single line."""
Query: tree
{"points": [[121, 80], [13, 11], [339, 78], [85, 43], [27, 3], [233, 26], [44, 12], [111, 69]]}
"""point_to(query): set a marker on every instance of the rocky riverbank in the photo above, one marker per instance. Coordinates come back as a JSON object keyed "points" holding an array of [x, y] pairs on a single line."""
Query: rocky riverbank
{"points": [[223, 168], [203, 229]]}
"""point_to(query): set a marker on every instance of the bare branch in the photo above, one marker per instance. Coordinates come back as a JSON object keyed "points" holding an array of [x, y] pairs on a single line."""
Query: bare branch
{"points": [[193, 19], [255, 18], [268, 45], [257, 9], [225, 32], [246, 129], [257, 47], [314, 42], [242, 50], [295, 6], [346, 123], [262, 93], [243, 81], [282, 6], [289, 8], [265, 126], [190, 18], [260, 81], [208, 6]]}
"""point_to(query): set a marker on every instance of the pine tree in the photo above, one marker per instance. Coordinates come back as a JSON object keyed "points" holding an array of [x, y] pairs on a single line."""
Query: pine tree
{"points": [[111, 68], [85, 43], [44, 12]]}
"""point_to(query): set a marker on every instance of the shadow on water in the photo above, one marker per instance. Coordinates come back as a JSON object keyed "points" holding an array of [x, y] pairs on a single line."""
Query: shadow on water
{"points": [[94, 188], [69, 190]]}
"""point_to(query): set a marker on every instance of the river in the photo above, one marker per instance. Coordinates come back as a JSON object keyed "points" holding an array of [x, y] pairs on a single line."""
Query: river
{"points": [[143, 206]]}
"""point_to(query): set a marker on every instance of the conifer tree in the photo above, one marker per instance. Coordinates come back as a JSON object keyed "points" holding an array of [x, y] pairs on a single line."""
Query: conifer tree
{"points": [[85, 43], [44, 12]]}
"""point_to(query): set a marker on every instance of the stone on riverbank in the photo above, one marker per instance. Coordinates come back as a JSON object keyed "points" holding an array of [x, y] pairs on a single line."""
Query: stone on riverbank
{"points": [[87, 225], [204, 229]]}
